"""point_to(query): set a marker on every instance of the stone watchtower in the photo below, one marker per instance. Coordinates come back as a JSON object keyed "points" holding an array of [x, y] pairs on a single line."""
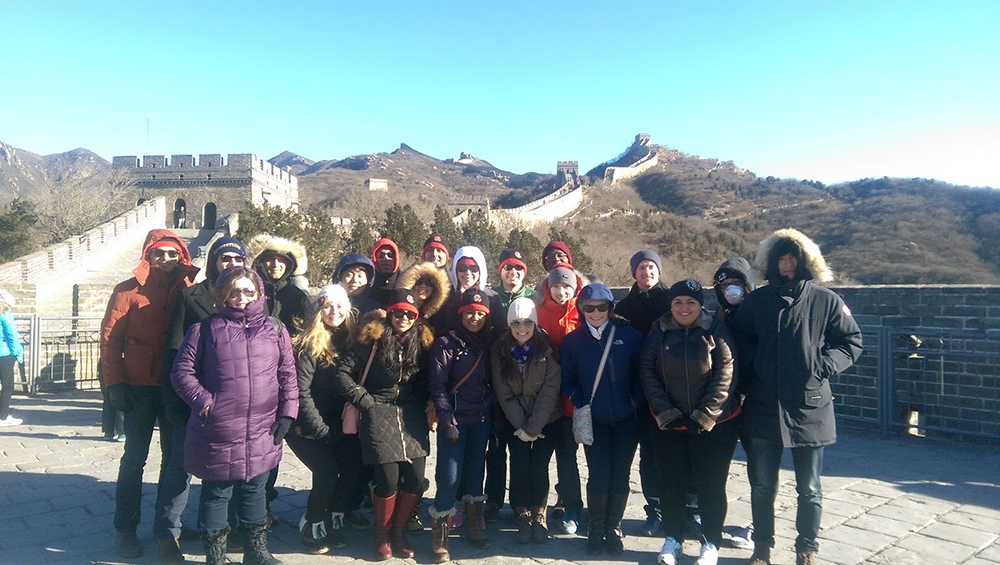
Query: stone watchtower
{"points": [[567, 172], [202, 193]]}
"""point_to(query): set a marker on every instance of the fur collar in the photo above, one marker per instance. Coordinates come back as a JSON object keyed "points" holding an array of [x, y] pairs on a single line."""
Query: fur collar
{"points": [[374, 325], [267, 242], [438, 277], [815, 263]]}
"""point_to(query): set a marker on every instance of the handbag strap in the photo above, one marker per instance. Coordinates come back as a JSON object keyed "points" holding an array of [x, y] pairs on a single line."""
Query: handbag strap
{"points": [[467, 375], [368, 366], [604, 360]]}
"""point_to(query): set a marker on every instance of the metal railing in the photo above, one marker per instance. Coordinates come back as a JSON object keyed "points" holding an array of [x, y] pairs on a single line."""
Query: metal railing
{"points": [[61, 352]]}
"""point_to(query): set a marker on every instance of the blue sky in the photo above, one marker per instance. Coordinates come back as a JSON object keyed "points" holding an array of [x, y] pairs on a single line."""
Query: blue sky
{"points": [[829, 91]]}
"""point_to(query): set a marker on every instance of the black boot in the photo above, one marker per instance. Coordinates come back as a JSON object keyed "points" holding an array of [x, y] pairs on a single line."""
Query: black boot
{"points": [[255, 545], [215, 546], [597, 514], [613, 527]]}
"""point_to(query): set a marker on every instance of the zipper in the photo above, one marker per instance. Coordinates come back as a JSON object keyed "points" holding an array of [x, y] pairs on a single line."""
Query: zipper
{"points": [[246, 329], [687, 375], [399, 411]]}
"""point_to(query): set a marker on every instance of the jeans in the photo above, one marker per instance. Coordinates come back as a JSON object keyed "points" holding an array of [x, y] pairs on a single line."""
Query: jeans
{"points": [[567, 471], [464, 459], [649, 476], [213, 508], [609, 459], [529, 469], [335, 471], [172, 491], [763, 461], [6, 384], [496, 461], [139, 422], [702, 461]]}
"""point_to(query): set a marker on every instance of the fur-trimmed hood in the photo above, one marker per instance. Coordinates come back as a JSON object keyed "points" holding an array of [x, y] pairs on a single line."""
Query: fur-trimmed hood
{"points": [[374, 324], [439, 279], [293, 250], [815, 264]]}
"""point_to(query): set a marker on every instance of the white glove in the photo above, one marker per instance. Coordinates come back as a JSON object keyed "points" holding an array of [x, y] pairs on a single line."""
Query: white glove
{"points": [[523, 436]]}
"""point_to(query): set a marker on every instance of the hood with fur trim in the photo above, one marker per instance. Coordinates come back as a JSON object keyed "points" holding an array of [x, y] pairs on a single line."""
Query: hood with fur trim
{"points": [[476, 255], [374, 324], [439, 280], [293, 250], [815, 264]]}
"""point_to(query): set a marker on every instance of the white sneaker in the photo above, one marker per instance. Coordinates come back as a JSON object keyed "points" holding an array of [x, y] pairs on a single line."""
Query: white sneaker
{"points": [[671, 552], [709, 555], [742, 538], [10, 421]]}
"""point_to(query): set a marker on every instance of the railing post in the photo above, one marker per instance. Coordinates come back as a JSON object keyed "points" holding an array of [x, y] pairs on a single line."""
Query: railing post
{"points": [[886, 381], [35, 348]]}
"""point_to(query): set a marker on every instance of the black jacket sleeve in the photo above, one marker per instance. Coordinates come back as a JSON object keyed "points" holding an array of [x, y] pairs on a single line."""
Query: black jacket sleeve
{"points": [[174, 409], [843, 341], [309, 418]]}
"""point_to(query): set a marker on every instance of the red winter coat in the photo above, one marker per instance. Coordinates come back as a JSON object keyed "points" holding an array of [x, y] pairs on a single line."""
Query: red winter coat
{"points": [[134, 329], [558, 320]]}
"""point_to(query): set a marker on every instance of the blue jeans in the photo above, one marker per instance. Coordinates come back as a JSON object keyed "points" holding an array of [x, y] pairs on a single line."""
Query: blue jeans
{"points": [[610, 458], [463, 460], [213, 508], [172, 492], [139, 422], [763, 461]]}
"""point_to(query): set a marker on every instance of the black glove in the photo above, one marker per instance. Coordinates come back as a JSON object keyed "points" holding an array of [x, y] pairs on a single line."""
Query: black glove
{"points": [[279, 429], [121, 397], [693, 427], [452, 433]]}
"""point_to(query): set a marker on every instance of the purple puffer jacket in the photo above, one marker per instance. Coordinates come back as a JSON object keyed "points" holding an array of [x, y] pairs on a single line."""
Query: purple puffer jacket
{"points": [[246, 373]]}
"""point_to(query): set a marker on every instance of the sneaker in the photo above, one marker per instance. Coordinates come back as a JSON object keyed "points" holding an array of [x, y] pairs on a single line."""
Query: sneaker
{"points": [[357, 520], [491, 513], [709, 555], [670, 553], [459, 517], [742, 538], [569, 523], [10, 421], [120, 438], [652, 527]]}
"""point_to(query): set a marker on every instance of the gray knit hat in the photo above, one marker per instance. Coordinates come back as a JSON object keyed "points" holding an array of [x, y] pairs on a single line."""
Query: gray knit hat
{"points": [[563, 274]]}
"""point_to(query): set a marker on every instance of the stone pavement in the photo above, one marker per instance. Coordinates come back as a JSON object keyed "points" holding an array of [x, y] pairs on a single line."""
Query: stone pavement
{"points": [[895, 500]]}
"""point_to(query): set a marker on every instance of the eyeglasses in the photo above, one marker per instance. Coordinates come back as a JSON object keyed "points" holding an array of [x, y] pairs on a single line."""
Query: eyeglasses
{"points": [[589, 308], [469, 268], [227, 259], [248, 292], [522, 324], [400, 314], [512, 267], [166, 253]]}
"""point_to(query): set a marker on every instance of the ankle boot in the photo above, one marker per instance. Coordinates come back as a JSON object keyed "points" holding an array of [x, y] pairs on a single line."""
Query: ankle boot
{"points": [[215, 546], [255, 545], [613, 526], [524, 520], [761, 555], [539, 527], [440, 528], [597, 510], [313, 536], [474, 508], [406, 503], [384, 508], [805, 558]]}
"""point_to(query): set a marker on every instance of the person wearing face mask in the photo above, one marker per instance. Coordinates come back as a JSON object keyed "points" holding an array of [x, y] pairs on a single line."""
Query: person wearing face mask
{"points": [[646, 301], [236, 371], [615, 403], [432, 289], [385, 377], [688, 377], [132, 345], [316, 435], [460, 389], [356, 273], [526, 378]]}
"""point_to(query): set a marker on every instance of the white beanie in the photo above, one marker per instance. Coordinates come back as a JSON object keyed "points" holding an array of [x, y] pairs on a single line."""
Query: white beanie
{"points": [[6, 298], [522, 309], [333, 293]]}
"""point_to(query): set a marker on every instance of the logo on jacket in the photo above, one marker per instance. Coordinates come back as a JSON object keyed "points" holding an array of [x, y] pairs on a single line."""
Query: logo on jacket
{"points": [[409, 298]]}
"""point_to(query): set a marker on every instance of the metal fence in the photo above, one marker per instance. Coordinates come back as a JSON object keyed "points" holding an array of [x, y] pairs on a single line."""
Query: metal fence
{"points": [[921, 381], [60, 353]]}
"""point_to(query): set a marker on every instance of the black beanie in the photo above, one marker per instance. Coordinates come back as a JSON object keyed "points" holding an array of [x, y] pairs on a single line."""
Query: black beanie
{"points": [[687, 288]]}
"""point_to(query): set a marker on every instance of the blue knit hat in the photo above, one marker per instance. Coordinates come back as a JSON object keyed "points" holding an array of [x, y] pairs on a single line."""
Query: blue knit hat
{"points": [[643, 255], [595, 291]]}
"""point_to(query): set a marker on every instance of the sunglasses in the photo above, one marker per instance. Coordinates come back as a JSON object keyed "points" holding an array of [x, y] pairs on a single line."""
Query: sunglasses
{"points": [[227, 259], [166, 253], [400, 314], [469, 268], [512, 267], [423, 282], [589, 308], [248, 292], [522, 324]]}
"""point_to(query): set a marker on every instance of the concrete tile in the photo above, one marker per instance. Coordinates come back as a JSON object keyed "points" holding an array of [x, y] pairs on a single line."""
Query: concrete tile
{"points": [[922, 504], [992, 552], [959, 534], [842, 553], [882, 525], [897, 556], [969, 520], [865, 539], [933, 547], [862, 499]]}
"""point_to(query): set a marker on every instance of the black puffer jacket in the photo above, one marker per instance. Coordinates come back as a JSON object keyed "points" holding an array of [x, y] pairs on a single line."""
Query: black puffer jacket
{"points": [[192, 305], [452, 357], [688, 372], [643, 308], [320, 407], [392, 401], [284, 300]]}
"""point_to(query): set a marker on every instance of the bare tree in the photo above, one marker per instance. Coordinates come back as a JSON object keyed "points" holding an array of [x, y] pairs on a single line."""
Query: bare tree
{"points": [[72, 207]]}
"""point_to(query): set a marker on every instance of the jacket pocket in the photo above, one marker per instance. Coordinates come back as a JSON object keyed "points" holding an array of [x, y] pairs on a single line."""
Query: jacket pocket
{"points": [[814, 398], [138, 361]]}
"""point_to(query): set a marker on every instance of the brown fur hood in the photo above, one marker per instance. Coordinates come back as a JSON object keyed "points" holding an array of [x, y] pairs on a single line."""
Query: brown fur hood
{"points": [[373, 326], [815, 263], [267, 242], [439, 279]]}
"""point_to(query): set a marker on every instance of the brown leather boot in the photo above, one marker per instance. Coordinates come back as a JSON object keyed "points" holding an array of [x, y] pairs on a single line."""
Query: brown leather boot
{"points": [[524, 519], [474, 532], [805, 558], [384, 508], [539, 527], [406, 503], [440, 528], [761, 556]]}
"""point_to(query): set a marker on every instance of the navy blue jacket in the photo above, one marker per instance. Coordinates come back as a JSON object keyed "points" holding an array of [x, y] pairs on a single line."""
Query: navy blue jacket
{"points": [[451, 359], [619, 394]]}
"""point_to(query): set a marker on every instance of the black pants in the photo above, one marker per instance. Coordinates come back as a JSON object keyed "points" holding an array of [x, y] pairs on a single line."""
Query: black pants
{"points": [[112, 419], [649, 476], [139, 422], [701, 461], [567, 469], [335, 472], [496, 461], [6, 384], [388, 476], [529, 469], [609, 459]]}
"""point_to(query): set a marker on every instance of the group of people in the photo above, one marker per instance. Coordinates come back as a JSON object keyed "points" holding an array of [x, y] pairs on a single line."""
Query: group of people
{"points": [[357, 379]]}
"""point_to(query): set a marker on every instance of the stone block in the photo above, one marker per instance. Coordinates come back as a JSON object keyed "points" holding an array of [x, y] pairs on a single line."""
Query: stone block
{"points": [[933, 547], [863, 539], [991, 553], [969, 520], [909, 515], [877, 488], [881, 525], [958, 534]]}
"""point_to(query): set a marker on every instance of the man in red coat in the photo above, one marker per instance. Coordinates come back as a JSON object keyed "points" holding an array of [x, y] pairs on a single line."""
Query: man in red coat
{"points": [[132, 341]]}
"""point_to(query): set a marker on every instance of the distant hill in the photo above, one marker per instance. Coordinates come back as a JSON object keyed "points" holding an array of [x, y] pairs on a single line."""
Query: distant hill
{"points": [[25, 174]]}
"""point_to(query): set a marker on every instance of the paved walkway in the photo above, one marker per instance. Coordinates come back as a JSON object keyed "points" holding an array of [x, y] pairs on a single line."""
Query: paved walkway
{"points": [[888, 501]]}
